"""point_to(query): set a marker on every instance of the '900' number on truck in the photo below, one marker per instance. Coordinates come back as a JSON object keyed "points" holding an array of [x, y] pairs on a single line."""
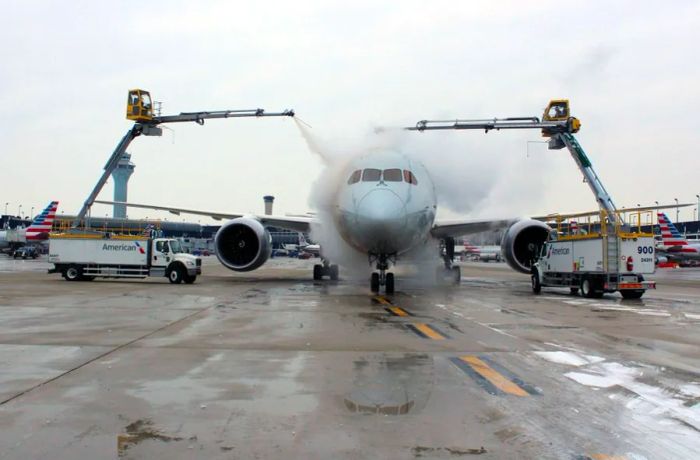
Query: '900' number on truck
{"points": [[645, 249]]}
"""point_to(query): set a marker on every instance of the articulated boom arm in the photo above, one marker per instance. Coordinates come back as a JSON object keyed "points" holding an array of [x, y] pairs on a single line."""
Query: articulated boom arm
{"points": [[199, 117], [111, 165], [147, 125], [584, 164], [555, 124], [494, 123]]}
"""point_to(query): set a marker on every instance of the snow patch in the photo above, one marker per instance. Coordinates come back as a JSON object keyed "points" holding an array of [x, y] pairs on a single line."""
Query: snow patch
{"points": [[654, 400], [568, 358]]}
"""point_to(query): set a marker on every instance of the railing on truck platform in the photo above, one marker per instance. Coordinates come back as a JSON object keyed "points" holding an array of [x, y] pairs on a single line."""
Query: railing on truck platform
{"points": [[598, 225], [139, 230]]}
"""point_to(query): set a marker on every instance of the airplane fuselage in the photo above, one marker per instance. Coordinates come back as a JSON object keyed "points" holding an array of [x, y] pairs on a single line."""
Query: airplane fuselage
{"points": [[679, 253], [386, 204]]}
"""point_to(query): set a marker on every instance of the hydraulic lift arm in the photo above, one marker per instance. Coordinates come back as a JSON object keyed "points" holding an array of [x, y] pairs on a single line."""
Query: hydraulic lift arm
{"points": [[111, 165], [559, 127], [140, 109]]}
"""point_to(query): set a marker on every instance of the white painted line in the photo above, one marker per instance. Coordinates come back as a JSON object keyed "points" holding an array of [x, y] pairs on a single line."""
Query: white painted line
{"points": [[495, 330]]}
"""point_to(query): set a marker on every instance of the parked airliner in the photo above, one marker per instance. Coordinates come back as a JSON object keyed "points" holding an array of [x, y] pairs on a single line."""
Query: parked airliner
{"points": [[673, 245], [38, 230]]}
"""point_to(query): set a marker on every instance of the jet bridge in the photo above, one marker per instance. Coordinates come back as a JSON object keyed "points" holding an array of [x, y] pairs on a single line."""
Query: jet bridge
{"points": [[141, 109]]}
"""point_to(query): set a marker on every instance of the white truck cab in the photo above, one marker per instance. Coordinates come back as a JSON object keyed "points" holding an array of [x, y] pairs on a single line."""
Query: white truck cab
{"points": [[80, 256]]}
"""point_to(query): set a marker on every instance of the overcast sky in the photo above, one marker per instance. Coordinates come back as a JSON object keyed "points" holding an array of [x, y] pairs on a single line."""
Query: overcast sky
{"points": [[631, 70]]}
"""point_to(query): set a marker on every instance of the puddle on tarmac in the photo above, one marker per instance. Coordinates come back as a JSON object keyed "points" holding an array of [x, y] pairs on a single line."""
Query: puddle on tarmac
{"points": [[432, 452], [142, 430], [390, 385]]}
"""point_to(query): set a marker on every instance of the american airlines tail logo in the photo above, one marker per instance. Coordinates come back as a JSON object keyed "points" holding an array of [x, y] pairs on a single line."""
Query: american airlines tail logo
{"points": [[669, 233], [672, 238], [42, 223]]}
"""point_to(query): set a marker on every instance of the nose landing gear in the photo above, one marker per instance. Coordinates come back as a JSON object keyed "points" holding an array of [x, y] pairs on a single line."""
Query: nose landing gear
{"points": [[383, 278], [326, 269]]}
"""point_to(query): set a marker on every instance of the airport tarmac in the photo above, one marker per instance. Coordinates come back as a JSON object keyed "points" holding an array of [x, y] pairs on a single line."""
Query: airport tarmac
{"points": [[271, 364]]}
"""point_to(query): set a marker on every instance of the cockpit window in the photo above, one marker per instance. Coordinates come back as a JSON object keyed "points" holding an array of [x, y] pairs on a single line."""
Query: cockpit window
{"points": [[371, 175], [409, 177], [392, 175], [355, 177]]}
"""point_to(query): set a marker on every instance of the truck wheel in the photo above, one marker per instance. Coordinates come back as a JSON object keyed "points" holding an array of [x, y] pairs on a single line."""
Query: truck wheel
{"points": [[176, 275], [587, 288], [318, 272], [73, 273], [632, 293], [189, 279], [536, 284]]}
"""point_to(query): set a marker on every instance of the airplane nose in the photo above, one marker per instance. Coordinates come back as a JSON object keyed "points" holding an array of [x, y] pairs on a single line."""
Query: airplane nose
{"points": [[381, 215]]}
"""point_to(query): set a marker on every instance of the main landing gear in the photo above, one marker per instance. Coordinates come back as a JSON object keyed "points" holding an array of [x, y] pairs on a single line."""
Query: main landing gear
{"points": [[383, 278], [449, 273], [325, 269]]}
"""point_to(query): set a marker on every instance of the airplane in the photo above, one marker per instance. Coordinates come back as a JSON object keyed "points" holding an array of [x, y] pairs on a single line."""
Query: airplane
{"points": [[37, 231], [482, 253], [673, 246], [384, 208]]}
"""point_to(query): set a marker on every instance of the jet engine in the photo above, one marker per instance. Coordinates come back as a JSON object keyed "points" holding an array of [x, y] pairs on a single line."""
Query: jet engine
{"points": [[522, 243], [243, 244]]}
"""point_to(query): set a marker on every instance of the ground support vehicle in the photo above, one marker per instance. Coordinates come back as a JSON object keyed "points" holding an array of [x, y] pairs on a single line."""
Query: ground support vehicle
{"points": [[26, 252], [85, 256], [563, 259], [597, 263]]}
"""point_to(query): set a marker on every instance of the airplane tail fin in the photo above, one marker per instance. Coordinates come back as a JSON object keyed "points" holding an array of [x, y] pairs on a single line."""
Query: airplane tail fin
{"points": [[670, 235], [42, 223]]}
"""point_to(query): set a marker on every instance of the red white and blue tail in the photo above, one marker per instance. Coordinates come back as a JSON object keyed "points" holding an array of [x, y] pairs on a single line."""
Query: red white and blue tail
{"points": [[42, 223], [671, 237]]}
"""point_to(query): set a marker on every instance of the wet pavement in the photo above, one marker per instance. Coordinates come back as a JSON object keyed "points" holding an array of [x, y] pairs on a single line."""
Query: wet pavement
{"points": [[270, 364]]}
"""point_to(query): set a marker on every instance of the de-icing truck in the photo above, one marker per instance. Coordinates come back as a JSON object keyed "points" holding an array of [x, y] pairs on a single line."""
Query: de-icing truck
{"points": [[83, 257], [602, 258]]}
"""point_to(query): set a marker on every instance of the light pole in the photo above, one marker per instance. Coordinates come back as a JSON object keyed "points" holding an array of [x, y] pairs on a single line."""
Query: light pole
{"points": [[657, 211], [31, 213], [698, 197], [6, 203], [19, 211], [676, 210]]}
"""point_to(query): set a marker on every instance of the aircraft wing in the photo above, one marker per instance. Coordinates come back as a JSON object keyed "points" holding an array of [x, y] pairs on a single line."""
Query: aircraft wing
{"points": [[296, 223], [447, 228]]}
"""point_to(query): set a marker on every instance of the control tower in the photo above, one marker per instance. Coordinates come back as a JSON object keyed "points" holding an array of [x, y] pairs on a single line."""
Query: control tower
{"points": [[268, 199], [121, 176]]}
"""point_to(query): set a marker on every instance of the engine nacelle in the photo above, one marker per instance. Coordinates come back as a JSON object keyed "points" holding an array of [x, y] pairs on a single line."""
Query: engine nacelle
{"points": [[522, 242], [243, 244]]}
